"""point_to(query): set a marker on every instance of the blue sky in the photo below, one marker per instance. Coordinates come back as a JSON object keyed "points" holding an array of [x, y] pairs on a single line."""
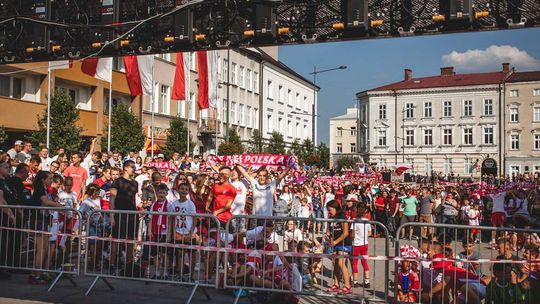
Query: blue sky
{"points": [[372, 63]]}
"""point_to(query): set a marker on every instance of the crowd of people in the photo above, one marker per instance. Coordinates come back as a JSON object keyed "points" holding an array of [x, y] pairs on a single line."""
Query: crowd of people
{"points": [[185, 203]]}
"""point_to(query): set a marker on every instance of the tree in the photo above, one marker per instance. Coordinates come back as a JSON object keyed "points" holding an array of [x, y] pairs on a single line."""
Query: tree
{"points": [[276, 144], [3, 135], [345, 162], [176, 138], [126, 131], [233, 147], [256, 144], [64, 131], [296, 150], [324, 155]]}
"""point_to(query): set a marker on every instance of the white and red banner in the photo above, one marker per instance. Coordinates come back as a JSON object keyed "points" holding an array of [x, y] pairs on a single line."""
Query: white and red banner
{"points": [[139, 71], [256, 160], [162, 165], [208, 78], [181, 77], [100, 68]]}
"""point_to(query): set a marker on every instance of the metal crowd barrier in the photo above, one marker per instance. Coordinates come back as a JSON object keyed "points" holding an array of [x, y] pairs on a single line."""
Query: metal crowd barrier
{"points": [[43, 240], [162, 247], [291, 255], [458, 261]]}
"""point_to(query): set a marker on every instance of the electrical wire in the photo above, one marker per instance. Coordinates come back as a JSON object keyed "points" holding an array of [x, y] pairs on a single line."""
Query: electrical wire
{"points": [[194, 2]]}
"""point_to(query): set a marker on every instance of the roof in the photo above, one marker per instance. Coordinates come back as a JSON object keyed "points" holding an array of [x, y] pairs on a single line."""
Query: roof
{"points": [[524, 76], [262, 55], [456, 80], [346, 116]]}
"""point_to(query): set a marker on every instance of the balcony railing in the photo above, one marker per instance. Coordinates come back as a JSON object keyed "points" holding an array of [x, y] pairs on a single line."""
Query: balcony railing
{"points": [[209, 126]]}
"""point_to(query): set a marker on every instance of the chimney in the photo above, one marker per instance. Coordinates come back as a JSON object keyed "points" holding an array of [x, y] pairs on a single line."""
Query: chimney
{"points": [[408, 74], [447, 71], [506, 67]]}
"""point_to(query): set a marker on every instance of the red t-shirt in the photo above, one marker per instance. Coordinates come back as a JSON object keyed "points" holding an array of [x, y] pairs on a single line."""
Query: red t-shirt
{"points": [[79, 175], [223, 193]]}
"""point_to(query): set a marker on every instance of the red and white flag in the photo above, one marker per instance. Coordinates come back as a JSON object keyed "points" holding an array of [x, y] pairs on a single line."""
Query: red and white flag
{"points": [[181, 77], [401, 168], [208, 78], [139, 71], [100, 68], [60, 64]]}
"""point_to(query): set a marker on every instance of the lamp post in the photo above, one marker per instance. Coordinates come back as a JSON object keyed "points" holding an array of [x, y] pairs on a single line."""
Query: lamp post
{"points": [[313, 107]]}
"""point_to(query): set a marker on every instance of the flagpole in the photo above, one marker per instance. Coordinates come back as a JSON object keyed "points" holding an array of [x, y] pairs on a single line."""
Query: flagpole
{"points": [[188, 98], [49, 106], [110, 117], [153, 110]]}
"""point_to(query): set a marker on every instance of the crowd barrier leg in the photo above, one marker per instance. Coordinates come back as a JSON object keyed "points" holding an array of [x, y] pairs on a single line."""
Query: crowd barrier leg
{"points": [[194, 289], [58, 277], [94, 282]]}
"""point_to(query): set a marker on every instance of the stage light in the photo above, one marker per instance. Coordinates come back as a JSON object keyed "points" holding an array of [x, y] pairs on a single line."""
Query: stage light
{"points": [[482, 14], [438, 18], [340, 26], [249, 33], [283, 30], [168, 39], [200, 37], [376, 23], [96, 45], [124, 43], [56, 48], [30, 50]]}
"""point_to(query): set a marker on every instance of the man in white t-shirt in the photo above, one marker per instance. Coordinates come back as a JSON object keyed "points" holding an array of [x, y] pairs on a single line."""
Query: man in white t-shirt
{"points": [[498, 214], [361, 232], [263, 190], [239, 203]]}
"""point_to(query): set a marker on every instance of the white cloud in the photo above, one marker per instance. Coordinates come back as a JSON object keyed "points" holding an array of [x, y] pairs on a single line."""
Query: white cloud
{"points": [[491, 59]]}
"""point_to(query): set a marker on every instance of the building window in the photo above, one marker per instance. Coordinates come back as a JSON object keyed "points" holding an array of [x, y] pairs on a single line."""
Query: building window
{"points": [[447, 137], [468, 166], [353, 131], [249, 82], [339, 148], [447, 165], [298, 131], [289, 98], [256, 118], [165, 97], [467, 108], [280, 93], [181, 109], [234, 73], [514, 170], [536, 114], [241, 121], [514, 114], [269, 123], [270, 92], [280, 124], [428, 109], [339, 132], [428, 137], [289, 128], [409, 137], [11, 87], [242, 76], [409, 110], [256, 82], [248, 117], [233, 113], [467, 136], [225, 70], [166, 57], [514, 93], [381, 136], [488, 107], [306, 105], [514, 142], [382, 111], [353, 148], [447, 109], [428, 166], [488, 136], [536, 92], [537, 141], [192, 107]]}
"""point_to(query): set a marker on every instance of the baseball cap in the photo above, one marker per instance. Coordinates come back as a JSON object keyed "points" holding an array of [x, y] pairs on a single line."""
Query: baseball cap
{"points": [[352, 197], [18, 142], [160, 155]]}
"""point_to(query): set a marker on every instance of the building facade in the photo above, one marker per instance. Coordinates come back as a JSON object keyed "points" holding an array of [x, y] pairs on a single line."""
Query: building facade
{"points": [[522, 123], [344, 136], [445, 124]]}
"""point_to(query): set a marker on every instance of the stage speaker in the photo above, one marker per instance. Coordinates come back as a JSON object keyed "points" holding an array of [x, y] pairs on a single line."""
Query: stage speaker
{"points": [[387, 177], [407, 178]]}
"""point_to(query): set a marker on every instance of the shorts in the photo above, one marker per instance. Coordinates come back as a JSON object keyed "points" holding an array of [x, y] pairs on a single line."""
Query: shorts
{"points": [[424, 218], [126, 227], [317, 214], [156, 249], [343, 248], [497, 219]]}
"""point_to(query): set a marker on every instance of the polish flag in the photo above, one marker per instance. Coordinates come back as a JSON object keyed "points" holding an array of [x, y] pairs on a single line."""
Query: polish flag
{"points": [[181, 77], [139, 71], [60, 65], [100, 68], [400, 169], [208, 75]]}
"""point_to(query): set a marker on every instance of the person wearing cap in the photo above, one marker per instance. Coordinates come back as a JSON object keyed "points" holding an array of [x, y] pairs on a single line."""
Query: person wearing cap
{"points": [[17, 147], [350, 207]]}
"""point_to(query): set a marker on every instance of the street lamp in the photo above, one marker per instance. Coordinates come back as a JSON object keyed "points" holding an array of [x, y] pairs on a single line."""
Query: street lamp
{"points": [[313, 107]]}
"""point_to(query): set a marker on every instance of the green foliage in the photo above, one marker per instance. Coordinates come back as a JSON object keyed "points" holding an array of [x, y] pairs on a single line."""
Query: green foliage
{"points": [[176, 138], [234, 146], [3, 135], [296, 150], [64, 129], [345, 162], [276, 144], [256, 144], [234, 138], [324, 155], [127, 133]]}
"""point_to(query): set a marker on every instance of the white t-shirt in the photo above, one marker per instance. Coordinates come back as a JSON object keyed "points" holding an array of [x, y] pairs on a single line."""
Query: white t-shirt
{"points": [[295, 235], [361, 233], [328, 197], [68, 200], [183, 223], [46, 163], [263, 197], [239, 203], [498, 202], [304, 211], [257, 234], [474, 217]]}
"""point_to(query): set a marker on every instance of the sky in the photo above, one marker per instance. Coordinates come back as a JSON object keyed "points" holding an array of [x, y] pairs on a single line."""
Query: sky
{"points": [[376, 62]]}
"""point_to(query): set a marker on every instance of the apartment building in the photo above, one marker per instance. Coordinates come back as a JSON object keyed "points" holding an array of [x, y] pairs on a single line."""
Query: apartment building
{"points": [[343, 136]]}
